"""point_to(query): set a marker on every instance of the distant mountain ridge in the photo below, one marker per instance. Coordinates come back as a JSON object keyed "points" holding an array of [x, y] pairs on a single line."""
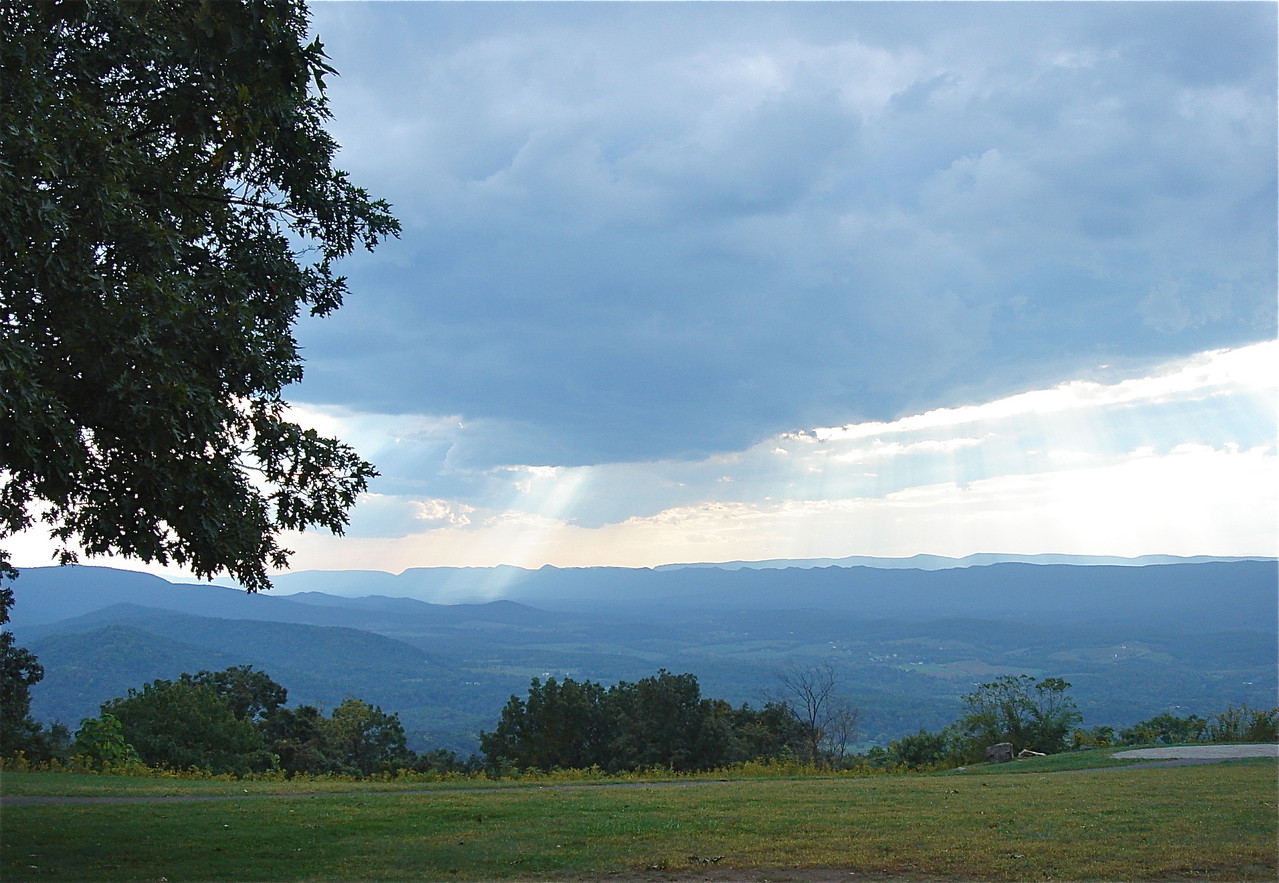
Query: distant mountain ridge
{"points": [[980, 578], [1216, 594], [942, 562], [475, 584], [50, 594]]}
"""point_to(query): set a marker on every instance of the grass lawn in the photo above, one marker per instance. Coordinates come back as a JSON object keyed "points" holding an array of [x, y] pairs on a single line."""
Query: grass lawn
{"points": [[1216, 821]]}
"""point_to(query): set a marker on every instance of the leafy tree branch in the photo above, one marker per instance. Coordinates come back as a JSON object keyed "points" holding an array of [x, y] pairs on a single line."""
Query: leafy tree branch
{"points": [[159, 162]]}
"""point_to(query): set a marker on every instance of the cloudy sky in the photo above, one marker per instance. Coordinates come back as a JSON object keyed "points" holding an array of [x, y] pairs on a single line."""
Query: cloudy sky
{"points": [[693, 282]]}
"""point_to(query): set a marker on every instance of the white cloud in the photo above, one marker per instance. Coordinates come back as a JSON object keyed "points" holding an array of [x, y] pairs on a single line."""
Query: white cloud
{"points": [[1251, 370], [1195, 500], [443, 512], [1099, 490], [1180, 461], [882, 450]]}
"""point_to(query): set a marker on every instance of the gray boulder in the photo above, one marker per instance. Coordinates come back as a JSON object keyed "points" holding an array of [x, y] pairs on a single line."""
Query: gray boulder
{"points": [[1001, 752]]}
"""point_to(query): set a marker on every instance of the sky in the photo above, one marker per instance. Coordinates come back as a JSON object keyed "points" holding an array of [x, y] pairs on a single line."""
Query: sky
{"points": [[710, 282]]}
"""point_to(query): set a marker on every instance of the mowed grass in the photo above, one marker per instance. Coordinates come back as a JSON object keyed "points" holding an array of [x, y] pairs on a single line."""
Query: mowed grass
{"points": [[1216, 821], [61, 784]]}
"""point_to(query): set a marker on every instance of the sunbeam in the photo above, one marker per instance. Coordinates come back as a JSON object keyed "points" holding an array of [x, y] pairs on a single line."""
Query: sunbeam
{"points": [[1181, 461]]}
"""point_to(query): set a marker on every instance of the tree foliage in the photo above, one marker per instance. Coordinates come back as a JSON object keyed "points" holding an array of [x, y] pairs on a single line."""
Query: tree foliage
{"points": [[663, 721], [1243, 724], [659, 721], [100, 744], [561, 724], [170, 209], [364, 739], [297, 737], [1235, 724], [183, 724], [1030, 714], [920, 750], [1164, 729], [19, 672], [251, 695], [235, 721]]}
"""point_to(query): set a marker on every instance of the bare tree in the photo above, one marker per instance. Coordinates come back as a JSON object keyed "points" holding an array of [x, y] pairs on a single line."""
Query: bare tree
{"points": [[826, 717], [842, 722]]}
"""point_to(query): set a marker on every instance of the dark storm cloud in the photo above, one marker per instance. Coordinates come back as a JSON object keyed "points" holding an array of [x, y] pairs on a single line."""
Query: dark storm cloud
{"points": [[636, 231]]}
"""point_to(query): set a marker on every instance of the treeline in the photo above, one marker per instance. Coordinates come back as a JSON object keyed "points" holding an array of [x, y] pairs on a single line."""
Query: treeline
{"points": [[660, 721], [1241, 724], [1040, 716], [235, 722]]}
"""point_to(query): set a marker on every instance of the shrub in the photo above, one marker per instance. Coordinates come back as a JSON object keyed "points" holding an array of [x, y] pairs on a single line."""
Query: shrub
{"points": [[1243, 724]]}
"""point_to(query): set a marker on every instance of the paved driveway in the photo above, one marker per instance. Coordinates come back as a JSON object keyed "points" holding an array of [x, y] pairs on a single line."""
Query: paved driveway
{"points": [[1200, 752]]}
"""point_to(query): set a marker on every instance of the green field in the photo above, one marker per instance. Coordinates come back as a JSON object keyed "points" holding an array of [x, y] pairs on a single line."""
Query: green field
{"points": [[1196, 822]]}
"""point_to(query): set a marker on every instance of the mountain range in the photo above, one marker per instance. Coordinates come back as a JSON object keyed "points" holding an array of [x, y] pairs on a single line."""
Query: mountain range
{"points": [[1135, 640]]}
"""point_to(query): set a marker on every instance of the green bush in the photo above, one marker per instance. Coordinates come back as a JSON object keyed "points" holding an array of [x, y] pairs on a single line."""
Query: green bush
{"points": [[100, 743], [1243, 724]]}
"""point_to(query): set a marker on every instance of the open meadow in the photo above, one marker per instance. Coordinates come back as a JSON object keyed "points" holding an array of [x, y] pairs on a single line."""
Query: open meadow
{"points": [[1214, 821]]}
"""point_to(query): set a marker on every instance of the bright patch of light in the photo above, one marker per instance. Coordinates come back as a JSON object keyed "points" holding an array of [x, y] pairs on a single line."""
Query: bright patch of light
{"points": [[1247, 369], [1180, 462]]}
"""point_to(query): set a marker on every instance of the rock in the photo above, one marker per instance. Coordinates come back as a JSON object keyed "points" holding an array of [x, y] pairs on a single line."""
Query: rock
{"points": [[1001, 752], [1026, 752]]}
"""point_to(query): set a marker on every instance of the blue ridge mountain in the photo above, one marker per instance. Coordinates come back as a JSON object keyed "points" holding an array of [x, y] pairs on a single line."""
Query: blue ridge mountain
{"points": [[1134, 640], [99, 655], [942, 562], [1199, 594], [50, 594], [1208, 594], [83, 668]]}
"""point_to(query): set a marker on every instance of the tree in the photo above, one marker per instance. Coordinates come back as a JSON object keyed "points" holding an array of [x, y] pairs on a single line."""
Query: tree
{"points": [[920, 750], [827, 719], [252, 695], [658, 722], [297, 737], [100, 744], [19, 672], [170, 207], [1101, 736], [182, 724], [770, 731], [1030, 714], [562, 724], [363, 739], [1164, 729], [442, 760], [1243, 724]]}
